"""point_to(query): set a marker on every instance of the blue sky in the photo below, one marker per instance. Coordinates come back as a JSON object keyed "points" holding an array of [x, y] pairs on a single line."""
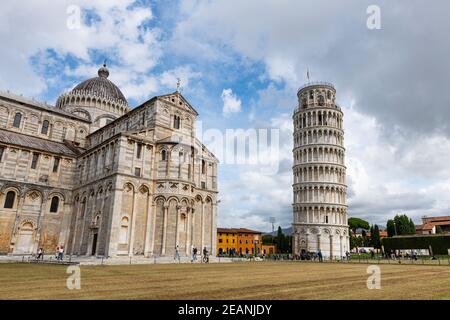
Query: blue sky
{"points": [[241, 63]]}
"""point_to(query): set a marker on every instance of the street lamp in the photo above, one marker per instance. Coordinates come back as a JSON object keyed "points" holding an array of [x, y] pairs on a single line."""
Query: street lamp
{"points": [[395, 228]]}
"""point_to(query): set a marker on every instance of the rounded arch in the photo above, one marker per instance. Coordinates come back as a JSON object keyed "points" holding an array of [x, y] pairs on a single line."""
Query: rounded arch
{"points": [[81, 113], [129, 186], [144, 189], [26, 224], [173, 198], [159, 198], [105, 116], [61, 196]]}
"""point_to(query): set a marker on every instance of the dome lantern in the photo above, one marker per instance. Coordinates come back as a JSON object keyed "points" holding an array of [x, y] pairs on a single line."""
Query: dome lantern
{"points": [[103, 72]]}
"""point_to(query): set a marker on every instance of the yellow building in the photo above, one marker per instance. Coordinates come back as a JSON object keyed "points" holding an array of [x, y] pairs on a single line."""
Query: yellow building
{"points": [[235, 241]]}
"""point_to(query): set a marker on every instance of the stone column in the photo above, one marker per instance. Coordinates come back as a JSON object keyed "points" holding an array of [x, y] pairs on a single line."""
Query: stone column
{"points": [[193, 227], [331, 246], [203, 227], [153, 229], [318, 243], [133, 224], [214, 229], [188, 231], [296, 248], [307, 241], [177, 221], [340, 244], [148, 242], [166, 209]]}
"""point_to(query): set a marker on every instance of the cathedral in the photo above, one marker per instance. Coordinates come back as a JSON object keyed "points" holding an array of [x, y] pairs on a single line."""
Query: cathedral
{"points": [[102, 179]]}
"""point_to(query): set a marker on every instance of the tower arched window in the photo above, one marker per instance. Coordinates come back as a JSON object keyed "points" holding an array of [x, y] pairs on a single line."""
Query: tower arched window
{"points": [[54, 204], [321, 101], [10, 199], [45, 125], [163, 155], [17, 120]]}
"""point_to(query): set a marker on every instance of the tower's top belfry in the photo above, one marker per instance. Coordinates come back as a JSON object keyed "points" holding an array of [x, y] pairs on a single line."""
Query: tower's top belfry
{"points": [[317, 94]]}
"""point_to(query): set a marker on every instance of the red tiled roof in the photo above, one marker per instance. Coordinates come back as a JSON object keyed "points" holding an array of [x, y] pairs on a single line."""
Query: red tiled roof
{"points": [[236, 230], [436, 219], [424, 227]]}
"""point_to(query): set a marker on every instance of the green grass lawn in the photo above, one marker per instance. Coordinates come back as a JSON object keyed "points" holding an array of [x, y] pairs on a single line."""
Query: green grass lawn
{"points": [[249, 280]]}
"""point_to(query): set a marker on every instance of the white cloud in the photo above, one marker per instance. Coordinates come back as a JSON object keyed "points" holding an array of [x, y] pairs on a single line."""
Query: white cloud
{"points": [[231, 103], [40, 25]]}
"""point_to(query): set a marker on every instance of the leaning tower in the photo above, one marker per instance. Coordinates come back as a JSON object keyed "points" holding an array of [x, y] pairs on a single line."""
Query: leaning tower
{"points": [[320, 210]]}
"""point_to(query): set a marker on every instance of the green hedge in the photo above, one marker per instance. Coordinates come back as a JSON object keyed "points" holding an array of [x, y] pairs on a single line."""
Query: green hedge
{"points": [[439, 243]]}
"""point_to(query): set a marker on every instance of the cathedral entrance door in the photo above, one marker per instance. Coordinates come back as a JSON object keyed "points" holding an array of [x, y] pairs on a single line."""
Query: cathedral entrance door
{"points": [[24, 243], [94, 244]]}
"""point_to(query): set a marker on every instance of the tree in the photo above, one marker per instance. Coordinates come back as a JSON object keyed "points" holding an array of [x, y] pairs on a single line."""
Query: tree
{"points": [[390, 228], [354, 224], [357, 223], [280, 240], [268, 239], [375, 240], [400, 225]]}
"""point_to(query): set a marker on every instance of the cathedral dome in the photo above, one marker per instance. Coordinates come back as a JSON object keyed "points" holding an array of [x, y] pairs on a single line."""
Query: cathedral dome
{"points": [[101, 86], [95, 99]]}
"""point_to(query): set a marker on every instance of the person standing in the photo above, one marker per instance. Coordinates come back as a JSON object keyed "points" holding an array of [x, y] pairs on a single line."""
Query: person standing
{"points": [[177, 253], [61, 253], [194, 254], [319, 254], [57, 253]]}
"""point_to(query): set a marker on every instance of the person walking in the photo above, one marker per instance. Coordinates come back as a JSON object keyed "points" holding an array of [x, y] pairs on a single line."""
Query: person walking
{"points": [[177, 253], [319, 254], [194, 254], [40, 254], [205, 255]]}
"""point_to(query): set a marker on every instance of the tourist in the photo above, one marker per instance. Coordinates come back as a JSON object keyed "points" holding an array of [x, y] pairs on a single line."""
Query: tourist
{"points": [[57, 253], [40, 254], [61, 253], [205, 255], [194, 254], [177, 253], [319, 254], [372, 254]]}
